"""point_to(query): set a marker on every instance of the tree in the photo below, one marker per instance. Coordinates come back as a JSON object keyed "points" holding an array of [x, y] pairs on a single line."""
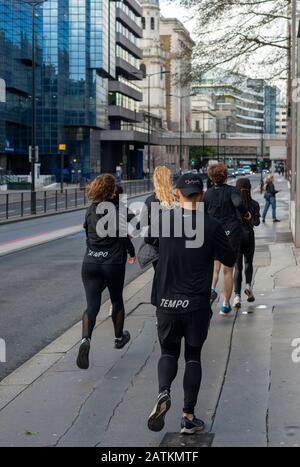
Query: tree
{"points": [[242, 34], [198, 153]]}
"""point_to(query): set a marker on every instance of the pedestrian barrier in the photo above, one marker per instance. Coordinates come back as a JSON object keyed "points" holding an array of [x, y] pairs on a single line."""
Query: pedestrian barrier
{"points": [[18, 205]]}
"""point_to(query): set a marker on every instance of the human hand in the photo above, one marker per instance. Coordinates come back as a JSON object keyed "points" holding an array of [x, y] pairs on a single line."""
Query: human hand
{"points": [[131, 259]]}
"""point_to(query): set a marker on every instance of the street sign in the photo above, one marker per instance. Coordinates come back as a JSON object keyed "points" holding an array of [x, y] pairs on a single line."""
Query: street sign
{"points": [[62, 147], [36, 154], [2, 90]]}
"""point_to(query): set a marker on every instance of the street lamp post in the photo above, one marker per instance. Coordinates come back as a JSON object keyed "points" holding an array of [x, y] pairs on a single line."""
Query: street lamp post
{"points": [[149, 76], [181, 159], [34, 149]]}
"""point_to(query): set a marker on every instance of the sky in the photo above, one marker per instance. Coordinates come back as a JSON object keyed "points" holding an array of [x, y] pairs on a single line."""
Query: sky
{"points": [[168, 9]]}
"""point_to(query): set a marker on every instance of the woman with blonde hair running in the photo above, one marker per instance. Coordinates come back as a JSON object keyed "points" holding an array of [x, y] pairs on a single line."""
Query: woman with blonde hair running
{"points": [[163, 194]]}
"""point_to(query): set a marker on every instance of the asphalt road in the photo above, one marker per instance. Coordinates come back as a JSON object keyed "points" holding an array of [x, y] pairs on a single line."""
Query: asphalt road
{"points": [[41, 290]]}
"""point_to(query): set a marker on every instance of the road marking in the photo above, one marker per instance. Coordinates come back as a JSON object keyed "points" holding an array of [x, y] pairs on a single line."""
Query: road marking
{"points": [[22, 243]]}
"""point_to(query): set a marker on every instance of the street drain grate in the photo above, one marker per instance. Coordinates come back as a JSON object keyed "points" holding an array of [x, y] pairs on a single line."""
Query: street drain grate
{"points": [[284, 237], [176, 440]]}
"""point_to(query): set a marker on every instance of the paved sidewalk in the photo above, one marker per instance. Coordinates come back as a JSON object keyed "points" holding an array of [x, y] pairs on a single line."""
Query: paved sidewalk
{"points": [[249, 394]]}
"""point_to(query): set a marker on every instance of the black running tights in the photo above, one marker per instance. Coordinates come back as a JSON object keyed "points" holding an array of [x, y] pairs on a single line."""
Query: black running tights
{"points": [[247, 251], [167, 371], [96, 277]]}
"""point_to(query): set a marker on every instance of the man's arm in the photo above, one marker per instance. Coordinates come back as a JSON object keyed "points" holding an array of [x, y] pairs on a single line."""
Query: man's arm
{"points": [[129, 247], [223, 251]]}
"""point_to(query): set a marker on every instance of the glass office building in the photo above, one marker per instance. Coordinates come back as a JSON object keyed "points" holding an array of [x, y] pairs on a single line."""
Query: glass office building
{"points": [[271, 96], [75, 57], [15, 70]]}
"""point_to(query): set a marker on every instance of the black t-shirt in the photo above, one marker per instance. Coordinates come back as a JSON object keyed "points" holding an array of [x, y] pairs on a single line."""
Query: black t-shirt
{"points": [[105, 250], [183, 276], [224, 203]]}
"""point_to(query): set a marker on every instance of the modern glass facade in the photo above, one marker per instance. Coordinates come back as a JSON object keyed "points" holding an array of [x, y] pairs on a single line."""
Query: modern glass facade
{"points": [[124, 93], [271, 94], [75, 57], [15, 70]]}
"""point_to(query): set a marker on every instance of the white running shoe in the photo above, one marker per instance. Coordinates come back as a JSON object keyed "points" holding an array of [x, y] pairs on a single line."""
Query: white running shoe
{"points": [[237, 302]]}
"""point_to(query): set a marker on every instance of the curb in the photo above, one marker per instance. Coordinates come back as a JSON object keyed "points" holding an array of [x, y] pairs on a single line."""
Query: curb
{"points": [[39, 240], [24, 376]]}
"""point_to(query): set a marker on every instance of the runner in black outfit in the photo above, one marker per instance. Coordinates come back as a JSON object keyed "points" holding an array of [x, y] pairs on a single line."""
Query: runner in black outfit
{"points": [[224, 203], [103, 265], [181, 294], [247, 247], [163, 194]]}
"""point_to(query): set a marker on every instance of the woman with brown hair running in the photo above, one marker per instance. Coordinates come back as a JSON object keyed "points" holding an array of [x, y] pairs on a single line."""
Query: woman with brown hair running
{"points": [[103, 265], [247, 245]]}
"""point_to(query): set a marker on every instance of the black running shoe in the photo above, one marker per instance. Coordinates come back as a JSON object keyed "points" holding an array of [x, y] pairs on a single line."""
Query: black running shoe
{"points": [[156, 420], [120, 343], [190, 427], [276, 220], [83, 355], [213, 296]]}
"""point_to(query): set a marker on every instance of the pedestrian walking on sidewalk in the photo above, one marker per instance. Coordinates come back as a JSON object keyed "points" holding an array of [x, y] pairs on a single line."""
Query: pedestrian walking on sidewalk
{"points": [[103, 265], [270, 198], [247, 247], [164, 195], [181, 295], [224, 204]]}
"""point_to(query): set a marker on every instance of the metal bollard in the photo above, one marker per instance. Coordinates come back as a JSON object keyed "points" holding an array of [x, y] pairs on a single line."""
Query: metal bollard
{"points": [[22, 204], [7, 205]]}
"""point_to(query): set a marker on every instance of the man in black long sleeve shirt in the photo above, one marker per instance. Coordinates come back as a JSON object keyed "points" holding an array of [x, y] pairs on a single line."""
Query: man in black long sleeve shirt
{"points": [[181, 294]]}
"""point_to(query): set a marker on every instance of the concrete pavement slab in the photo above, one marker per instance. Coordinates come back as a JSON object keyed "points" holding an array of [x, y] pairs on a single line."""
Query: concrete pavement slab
{"points": [[284, 405]]}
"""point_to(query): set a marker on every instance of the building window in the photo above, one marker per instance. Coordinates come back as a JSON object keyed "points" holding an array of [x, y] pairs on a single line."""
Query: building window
{"points": [[152, 23], [144, 22], [197, 125]]}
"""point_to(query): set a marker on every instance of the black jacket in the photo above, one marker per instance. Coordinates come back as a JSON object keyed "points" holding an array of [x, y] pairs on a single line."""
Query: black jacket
{"points": [[270, 188], [183, 276], [224, 203], [108, 250], [254, 210]]}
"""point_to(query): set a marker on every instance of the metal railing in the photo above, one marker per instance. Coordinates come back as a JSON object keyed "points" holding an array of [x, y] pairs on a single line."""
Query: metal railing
{"points": [[17, 205]]}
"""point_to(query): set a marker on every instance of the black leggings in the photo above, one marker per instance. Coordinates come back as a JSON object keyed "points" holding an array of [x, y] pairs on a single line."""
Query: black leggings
{"points": [[247, 250], [96, 277], [168, 367]]}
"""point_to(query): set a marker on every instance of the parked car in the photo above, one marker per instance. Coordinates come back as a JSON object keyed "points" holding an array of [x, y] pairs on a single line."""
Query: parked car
{"points": [[231, 173], [240, 172]]}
